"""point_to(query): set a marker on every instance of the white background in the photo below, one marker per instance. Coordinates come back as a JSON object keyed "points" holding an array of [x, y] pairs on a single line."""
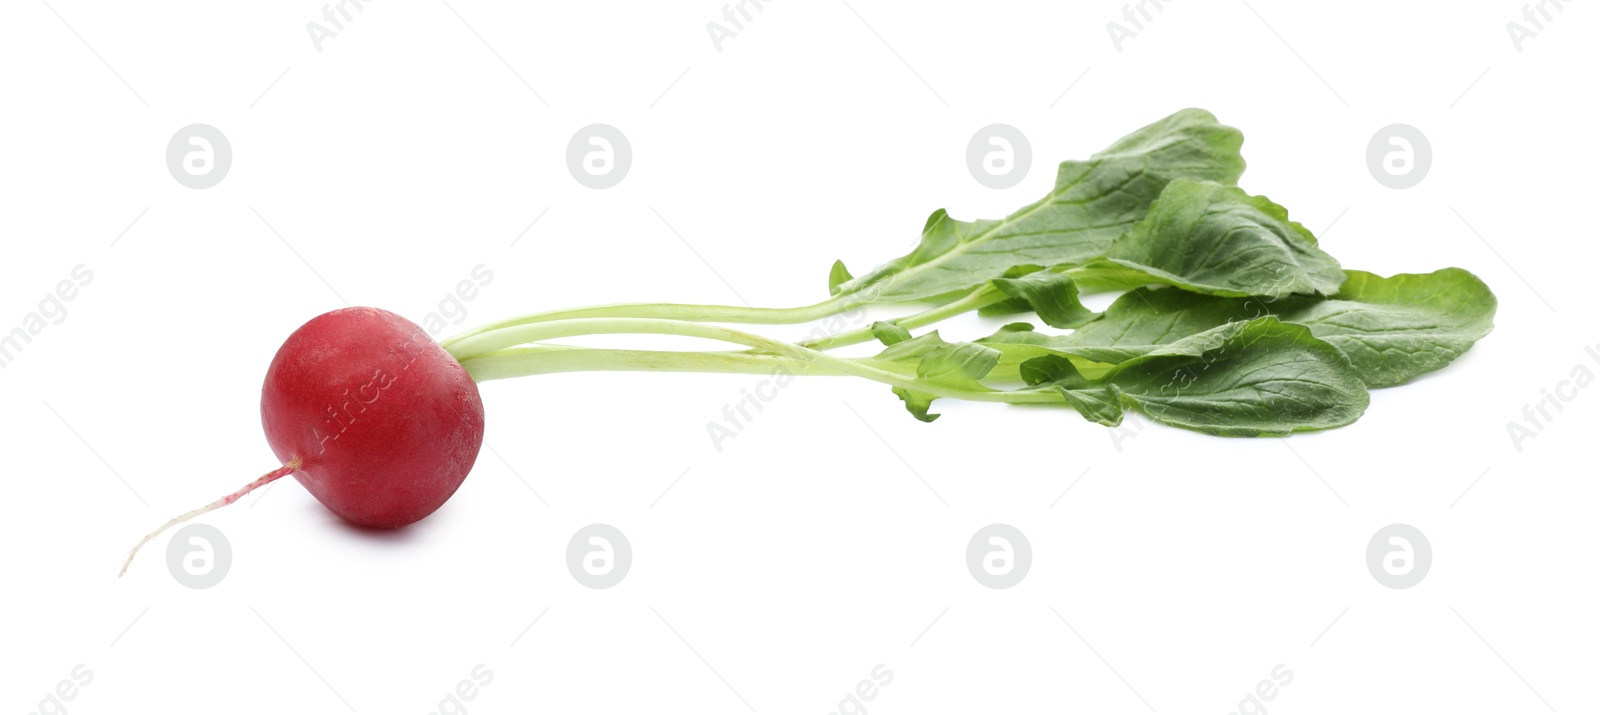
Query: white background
{"points": [[1172, 571]]}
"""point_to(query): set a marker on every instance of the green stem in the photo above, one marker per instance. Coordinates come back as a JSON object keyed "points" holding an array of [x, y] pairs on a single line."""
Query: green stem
{"points": [[533, 360], [1094, 276], [488, 356], [550, 359], [673, 311], [979, 298]]}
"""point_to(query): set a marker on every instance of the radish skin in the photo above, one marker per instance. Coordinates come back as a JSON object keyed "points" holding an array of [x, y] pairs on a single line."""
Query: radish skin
{"points": [[386, 424]]}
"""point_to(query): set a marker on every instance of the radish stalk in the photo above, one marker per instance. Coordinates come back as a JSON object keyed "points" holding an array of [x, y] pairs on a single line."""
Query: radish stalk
{"points": [[487, 344], [674, 311], [544, 359], [979, 298], [1093, 274]]}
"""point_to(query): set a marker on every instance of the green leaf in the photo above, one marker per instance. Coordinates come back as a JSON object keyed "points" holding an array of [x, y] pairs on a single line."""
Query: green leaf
{"points": [[911, 351], [1053, 296], [953, 364], [1092, 203], [1142, 321], [1098, 404], [837, 276], [1010, 306], [956, 365], [889, 333], [1051, 369], [917, 403], [1209, 238], [1397, 328], [1393, 329], [1257, 378], [1019, 344]]}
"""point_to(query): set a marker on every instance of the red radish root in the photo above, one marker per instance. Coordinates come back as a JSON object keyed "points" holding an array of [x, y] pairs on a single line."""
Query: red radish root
{"points": [[370, 415], [265, 479]]}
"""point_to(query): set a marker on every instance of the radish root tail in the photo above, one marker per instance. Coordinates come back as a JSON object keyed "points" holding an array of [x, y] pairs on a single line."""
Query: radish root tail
{"points": [[264, 480]]}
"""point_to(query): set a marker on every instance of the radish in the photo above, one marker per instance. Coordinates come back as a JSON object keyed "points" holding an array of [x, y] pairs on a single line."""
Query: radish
{"points": [[370, 415], [1253, 331]]}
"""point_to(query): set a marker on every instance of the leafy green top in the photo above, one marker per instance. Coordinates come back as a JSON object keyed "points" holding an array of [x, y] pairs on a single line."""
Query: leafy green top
{"points": [[1234, 321], [1093, 203]]}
